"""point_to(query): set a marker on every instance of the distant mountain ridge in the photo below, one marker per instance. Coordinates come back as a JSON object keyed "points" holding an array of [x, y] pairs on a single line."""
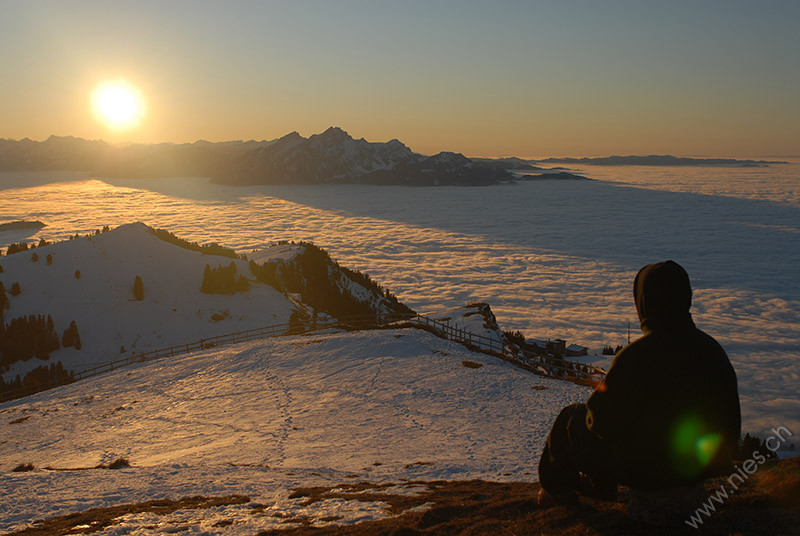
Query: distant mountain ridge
{"points": [[332, 156], [67, 153], [335, 157], [659, 160], [443, 169]]}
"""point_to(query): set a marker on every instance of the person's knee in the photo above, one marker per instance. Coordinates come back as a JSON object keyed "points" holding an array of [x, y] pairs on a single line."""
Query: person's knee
{"points": [[573, 417], [580, 438], [572, 411]]}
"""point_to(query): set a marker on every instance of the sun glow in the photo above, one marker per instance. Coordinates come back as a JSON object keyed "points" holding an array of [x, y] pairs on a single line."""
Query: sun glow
{"points": [[118, 104]]}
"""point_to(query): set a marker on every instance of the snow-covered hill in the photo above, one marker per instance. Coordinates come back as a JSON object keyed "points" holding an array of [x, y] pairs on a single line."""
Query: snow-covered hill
{"points": [[113, 324], [101, 301], [263, 417]]}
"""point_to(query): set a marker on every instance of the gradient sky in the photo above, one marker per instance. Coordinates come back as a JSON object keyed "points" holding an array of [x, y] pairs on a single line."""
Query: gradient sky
{"points": [[482, 78]]}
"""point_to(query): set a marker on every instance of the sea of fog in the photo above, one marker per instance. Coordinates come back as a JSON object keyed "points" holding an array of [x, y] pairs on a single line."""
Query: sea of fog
{"points": [[553, 258]]}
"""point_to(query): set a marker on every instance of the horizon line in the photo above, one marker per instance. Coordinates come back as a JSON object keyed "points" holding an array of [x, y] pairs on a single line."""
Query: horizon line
{"points": [[524, 157]]}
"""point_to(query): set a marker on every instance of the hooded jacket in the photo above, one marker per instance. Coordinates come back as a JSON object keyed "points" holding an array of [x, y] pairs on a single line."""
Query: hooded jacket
{"points": [[669, 405]]}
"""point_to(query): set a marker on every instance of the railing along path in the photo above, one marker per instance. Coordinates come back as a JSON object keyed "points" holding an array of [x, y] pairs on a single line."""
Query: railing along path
{"points": [[545, 365]]}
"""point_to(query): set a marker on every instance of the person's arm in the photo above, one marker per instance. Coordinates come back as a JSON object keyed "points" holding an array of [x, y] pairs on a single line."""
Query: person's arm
{"points": [[613, 402]]}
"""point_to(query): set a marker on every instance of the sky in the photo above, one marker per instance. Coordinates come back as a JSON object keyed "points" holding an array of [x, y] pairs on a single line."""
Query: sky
{"points": [[501, 78]]}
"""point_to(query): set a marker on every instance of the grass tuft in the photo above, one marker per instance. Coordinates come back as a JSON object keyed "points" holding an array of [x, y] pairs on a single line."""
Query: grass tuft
{"points": [[23, 467]]}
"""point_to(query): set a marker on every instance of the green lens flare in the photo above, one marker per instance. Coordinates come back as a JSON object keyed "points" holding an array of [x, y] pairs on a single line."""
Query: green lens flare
{"points": [[706, 448], [693, 446]]}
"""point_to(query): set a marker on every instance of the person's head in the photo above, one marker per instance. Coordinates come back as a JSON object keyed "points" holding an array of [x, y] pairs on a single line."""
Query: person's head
{"points": [[663, 295]]}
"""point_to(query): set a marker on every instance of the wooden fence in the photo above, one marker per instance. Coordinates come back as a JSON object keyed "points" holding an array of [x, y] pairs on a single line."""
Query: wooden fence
{"points": [[544, 365]]}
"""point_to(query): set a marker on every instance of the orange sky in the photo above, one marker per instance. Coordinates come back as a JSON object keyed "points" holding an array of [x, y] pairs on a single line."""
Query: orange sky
{"points": [[505, 79]]}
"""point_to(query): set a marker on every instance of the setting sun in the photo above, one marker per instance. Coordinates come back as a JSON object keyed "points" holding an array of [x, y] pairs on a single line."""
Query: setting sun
{"points": [[118, 104]]}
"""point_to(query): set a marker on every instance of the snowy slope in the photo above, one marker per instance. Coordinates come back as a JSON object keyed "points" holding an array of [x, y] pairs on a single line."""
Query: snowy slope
{"points": [[476, 318], [261, 417], [173, 311]]}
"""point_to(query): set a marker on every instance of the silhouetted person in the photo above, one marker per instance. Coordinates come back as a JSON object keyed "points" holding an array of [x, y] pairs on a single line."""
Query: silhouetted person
{"points": [[666, 414]]}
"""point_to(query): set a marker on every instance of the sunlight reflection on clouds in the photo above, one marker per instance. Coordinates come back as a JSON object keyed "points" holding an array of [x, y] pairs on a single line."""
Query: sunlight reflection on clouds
{"points": [[554, 259]]}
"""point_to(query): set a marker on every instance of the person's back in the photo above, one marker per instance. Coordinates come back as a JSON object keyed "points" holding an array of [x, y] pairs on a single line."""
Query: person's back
{"points": [[667, 412]]}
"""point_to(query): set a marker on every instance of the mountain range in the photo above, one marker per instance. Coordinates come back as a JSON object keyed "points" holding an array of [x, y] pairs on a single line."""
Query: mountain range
{"points": [[332, 156], [659, 160]]}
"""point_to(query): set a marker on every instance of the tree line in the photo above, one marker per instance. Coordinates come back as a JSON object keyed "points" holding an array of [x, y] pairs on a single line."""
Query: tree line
{"points": [[322, 284], [26, 337], [223, 280], [39, 379]]}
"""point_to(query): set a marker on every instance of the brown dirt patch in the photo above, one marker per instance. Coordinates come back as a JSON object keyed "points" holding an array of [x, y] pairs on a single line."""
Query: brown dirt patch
{"points": [[97, 519], [21, 419], [478, 507], [765, 505], [408, 466]]}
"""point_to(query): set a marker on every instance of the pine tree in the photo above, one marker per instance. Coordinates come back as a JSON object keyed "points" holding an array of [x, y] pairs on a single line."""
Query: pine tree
{"points": [[3, 306], [138, 289], [71, 337], [77, 274], [242, 284], [16, 248], [15, 289], [206, 286], [223, 280], [53, 343], [35, 257], [49, 258]]}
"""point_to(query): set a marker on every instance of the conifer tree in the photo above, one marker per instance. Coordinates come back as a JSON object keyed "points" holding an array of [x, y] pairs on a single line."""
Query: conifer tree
{"points": [[3, 306], [242, 284], [138, 289], [71, 336], [35, 257], [206, 285], [16, 248], [49, 258], [77, 274], [15, 289]]}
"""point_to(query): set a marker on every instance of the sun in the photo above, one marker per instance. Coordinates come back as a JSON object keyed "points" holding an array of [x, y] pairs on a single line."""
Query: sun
{"points": [[118, 104]]}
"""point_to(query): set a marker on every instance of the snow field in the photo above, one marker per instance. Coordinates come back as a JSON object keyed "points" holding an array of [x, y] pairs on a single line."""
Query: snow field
{"points": [[261, 417]]}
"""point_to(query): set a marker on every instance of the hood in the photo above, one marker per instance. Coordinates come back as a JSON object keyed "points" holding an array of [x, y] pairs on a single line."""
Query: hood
{"points": [[663, 297]]}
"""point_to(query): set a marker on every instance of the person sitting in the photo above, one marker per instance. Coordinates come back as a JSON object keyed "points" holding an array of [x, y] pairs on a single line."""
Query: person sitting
{"points": [[666, 415]]}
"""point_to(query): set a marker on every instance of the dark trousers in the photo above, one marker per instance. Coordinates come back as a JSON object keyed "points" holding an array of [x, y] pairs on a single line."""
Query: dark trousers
{"points": [[573, 449]]}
